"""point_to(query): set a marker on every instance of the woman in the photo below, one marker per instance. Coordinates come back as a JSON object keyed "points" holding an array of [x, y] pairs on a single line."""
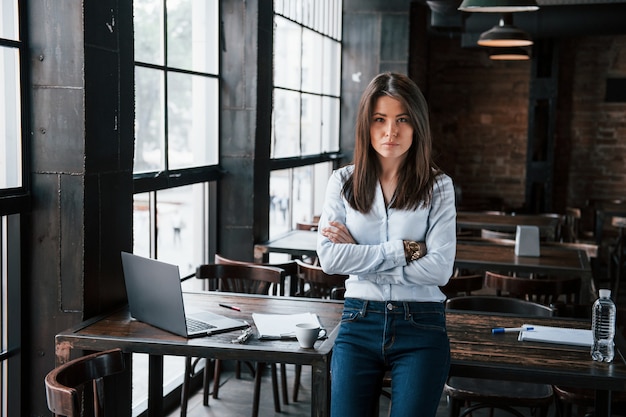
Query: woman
{"points": [[389, 221]]}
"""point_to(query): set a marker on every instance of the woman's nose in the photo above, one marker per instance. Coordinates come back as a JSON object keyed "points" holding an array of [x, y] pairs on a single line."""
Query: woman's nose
{"points": [[392, 130]]}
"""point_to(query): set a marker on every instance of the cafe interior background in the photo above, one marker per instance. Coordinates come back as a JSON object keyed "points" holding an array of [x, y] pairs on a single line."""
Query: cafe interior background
{"points": [[229, 141]]}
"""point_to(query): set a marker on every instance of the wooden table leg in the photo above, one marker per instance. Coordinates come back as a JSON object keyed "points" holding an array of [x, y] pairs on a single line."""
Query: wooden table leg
{"points": [[155, 386], [320, 390], [603, 403]]}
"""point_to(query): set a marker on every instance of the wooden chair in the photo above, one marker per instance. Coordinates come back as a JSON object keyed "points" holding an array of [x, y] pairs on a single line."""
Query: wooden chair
{"points": [[495, 304], [65, 384], [584, 400], [248, 279], [291, 271], [462, 285], [310, 226], [548, 291], [617, 255], [561, 219], [488, 393], [571, 224], [315, 283], [290, 268]]}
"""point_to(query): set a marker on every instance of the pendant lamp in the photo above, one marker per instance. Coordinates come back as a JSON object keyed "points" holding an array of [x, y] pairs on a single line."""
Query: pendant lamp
{"points": [[499, 6], [505, 34], [508, 54]]}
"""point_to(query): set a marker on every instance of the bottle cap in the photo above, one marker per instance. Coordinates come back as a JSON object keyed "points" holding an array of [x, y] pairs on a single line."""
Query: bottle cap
{"points": [[605, 293]]}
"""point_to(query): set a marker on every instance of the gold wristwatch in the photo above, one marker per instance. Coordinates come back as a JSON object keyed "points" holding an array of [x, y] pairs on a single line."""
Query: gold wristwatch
{"points": [[412, 250]]}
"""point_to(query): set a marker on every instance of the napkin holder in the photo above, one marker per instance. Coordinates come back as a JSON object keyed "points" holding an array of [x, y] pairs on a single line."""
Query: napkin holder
{"points": [[527, 241]]}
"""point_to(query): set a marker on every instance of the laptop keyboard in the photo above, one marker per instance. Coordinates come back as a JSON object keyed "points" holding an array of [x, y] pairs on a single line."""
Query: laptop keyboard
{"points": [[194, 325]]}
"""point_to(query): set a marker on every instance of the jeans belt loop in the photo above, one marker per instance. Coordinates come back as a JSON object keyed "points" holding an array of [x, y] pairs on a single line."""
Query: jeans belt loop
{"points": [[407, 310], [364, 308]]}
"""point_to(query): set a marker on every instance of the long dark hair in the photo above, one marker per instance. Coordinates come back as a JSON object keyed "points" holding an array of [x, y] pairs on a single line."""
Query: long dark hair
{"points": [[418, 171]]}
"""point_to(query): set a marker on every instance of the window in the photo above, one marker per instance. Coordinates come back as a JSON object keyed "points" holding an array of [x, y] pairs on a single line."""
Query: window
{"points": [[176, 144], [296, 195], [13, 197], [176, 84], [306, 107]]}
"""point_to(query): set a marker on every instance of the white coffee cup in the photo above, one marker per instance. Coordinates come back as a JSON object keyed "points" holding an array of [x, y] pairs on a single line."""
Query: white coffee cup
{"points": [[307, 334]]}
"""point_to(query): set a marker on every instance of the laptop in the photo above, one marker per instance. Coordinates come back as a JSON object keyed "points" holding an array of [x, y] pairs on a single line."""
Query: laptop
{"points": [[155, 296]]}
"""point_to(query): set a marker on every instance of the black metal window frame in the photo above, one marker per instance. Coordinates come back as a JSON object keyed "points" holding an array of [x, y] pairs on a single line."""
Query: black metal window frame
{"points": [[17, 199], [15, 202]]}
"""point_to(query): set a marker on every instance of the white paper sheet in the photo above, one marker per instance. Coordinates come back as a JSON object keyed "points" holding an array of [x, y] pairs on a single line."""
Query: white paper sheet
{"points": [[560, 335], [281, 326]]}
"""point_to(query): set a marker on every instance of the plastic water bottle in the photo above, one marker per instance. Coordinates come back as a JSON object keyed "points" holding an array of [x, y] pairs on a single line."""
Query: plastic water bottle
{"points": [[603, 327]]}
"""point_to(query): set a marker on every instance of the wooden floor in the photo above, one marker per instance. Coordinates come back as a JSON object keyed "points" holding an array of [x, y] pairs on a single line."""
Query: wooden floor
{"points": [[235, 400]]}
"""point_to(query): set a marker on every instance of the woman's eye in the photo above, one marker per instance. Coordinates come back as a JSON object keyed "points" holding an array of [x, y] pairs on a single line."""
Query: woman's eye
{"points": [[378, 119], [403, 120]]}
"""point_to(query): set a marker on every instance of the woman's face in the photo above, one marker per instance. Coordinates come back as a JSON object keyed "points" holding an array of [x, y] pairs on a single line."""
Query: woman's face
{"points": [[391, 131]]}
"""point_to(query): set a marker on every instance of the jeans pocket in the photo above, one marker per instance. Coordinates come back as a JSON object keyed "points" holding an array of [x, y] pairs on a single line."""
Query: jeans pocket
{"points": [[428, 321]]}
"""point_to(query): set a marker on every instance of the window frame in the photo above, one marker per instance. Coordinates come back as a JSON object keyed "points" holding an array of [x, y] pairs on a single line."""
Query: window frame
{"points": [[17, 199], [14, 203]]}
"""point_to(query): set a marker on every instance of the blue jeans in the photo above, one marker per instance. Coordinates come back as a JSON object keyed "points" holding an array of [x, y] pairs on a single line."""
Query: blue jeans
{"points": [[408, 338]]}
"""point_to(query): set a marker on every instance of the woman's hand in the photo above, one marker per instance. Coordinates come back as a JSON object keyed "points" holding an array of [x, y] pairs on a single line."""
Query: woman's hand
{"points": [[337, 233]]}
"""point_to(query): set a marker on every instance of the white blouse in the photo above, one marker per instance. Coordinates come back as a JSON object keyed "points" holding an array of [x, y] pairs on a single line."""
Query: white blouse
{"points": [[376, 264]]}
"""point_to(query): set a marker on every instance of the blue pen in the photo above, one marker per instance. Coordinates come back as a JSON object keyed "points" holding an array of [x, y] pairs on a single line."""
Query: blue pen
{"points": [[498, 330]]}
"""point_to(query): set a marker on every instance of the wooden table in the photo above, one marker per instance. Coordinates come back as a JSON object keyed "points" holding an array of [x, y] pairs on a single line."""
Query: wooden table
{"points": [[119, 330], [548, 226], [476, 353], [296, 243], [552, 261], [474, 255], [482, 254]]}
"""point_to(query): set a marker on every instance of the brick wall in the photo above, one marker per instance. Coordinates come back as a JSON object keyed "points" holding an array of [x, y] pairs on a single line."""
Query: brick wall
{"points": [[479, 113], [598, 128]]}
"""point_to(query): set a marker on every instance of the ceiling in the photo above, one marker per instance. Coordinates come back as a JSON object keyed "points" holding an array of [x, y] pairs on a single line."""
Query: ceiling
{"points": [[554, 19]]}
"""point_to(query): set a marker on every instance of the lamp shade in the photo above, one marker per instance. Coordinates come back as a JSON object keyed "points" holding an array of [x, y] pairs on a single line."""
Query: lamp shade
{"points": [[499, 6], [505, 35], [509, 54]]}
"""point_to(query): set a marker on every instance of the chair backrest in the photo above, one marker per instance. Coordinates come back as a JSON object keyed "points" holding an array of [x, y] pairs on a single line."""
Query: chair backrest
{"points": [[494, 304], [315, 283], [492, 234], [619, 222], [571, 227], [247, 279], [307, 226], [66, 383], [462, 284], [545, 291], [290, 268]]}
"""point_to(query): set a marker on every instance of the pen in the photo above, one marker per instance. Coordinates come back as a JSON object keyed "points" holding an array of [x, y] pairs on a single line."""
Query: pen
{"points": [[497, 330], [231, 307]]}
